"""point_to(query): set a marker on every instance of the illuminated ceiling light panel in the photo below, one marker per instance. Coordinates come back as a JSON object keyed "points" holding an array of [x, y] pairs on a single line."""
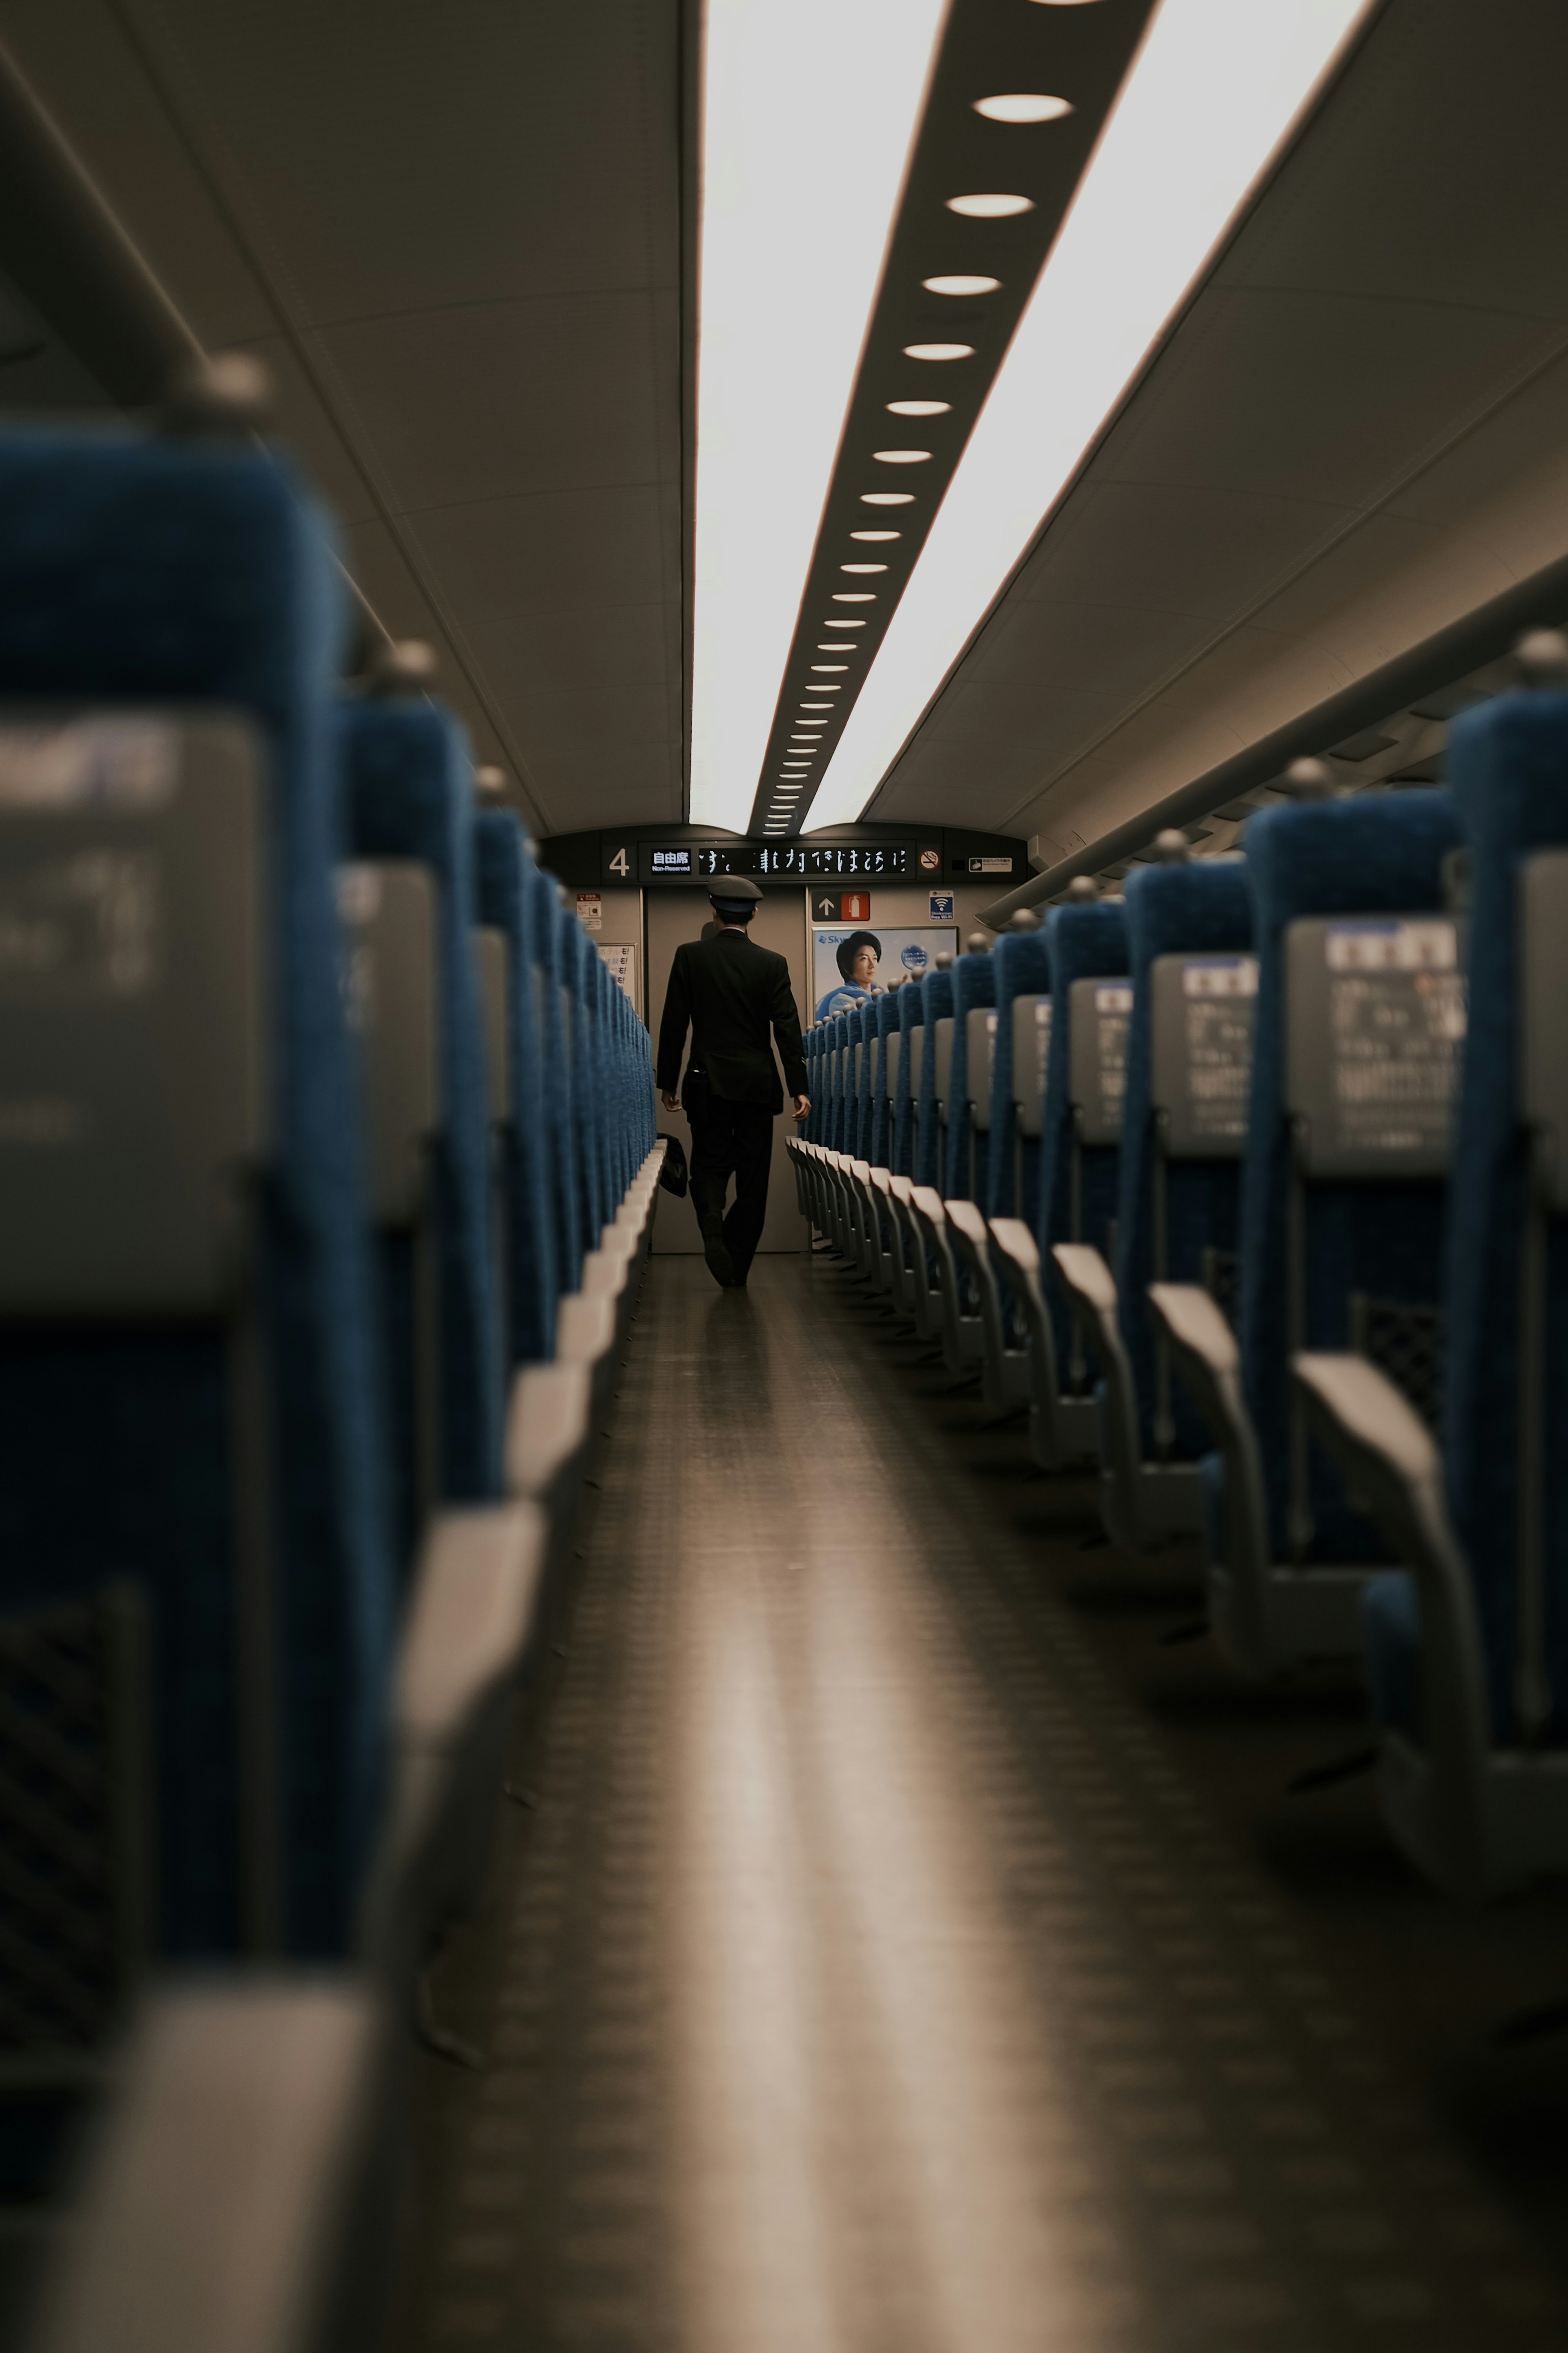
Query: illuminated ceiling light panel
{"points": [[961, 281], [1214, 89], [876, 535], [920, 408], [862, 567], [902, 457], [887, 498], [766, 435], [939, 350], [840, 621], [997, 208], [833, 647], [854, 596], [1023, 106]]}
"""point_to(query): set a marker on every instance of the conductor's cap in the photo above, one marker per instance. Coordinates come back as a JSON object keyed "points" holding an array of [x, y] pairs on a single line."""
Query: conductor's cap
{"points": [[733, 891]]}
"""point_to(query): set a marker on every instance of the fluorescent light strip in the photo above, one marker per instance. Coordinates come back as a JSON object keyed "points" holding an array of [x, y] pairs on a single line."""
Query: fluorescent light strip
{"points": [[767, 432], [1217, 87]]}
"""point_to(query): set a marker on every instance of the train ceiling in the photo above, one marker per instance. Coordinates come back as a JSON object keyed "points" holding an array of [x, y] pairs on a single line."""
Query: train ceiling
{"points": [[467, 240]]}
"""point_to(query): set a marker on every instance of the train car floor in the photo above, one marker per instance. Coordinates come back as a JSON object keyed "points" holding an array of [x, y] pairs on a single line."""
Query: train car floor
{"points": [[903, 1948]]}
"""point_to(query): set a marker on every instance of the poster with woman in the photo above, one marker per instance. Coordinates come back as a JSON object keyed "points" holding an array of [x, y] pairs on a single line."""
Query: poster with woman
{"points": [[854, 962]]}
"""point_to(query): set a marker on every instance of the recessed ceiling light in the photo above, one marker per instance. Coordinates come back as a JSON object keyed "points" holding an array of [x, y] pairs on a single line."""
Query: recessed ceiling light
{"points": [[920, 407], [828, 668], [990, 207], [862, 567], [887, 498], [901, 457], [840, 621], [769, 435], [939, 350], [1214, 89], [834, 646], [1023, 106], [854, 596], [876, 535], [961, 281]]}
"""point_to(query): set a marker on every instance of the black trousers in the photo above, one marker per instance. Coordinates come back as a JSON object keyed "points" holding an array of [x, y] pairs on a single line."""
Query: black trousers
{"points": [[730, 1139]]}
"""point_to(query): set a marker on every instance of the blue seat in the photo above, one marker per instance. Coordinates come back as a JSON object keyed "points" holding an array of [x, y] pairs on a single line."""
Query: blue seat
{"points": [[410, 796], [551, 979], [503, 865], [1467, 1647], [912, 1017], [1021, 962], [1189, 927], [936, 994], [843, 1140], [1076, 1197], [963, 1175], [145, 574], [1329, 1232], [880, 1151]]}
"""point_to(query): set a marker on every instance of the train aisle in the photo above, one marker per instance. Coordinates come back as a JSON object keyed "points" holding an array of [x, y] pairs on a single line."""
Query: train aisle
{"points": [[871, 1968]]}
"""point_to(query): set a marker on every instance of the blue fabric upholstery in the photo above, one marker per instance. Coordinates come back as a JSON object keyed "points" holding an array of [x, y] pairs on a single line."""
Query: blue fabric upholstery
{"points": [[1390, 1651], [974, 985], [1171, 910], [888, 1009], [1508, 763], [1021, 961], [147, 572], [936, 989], [583, 971], [1084, 942], [863, 1034], [502, 862], [912, 1017], [1380, 853], [560, 1122], [410, 795]]}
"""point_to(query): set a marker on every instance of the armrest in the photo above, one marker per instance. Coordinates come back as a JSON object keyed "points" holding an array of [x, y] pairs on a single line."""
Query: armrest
{"points": [[228, 2194], [968, 1223], [927, 1204], [605, 1271], [1204, 1349], [475, 1595], [1383, 1446], [1087, 1282], [547, 1426], [1017, 1248], [584, 1328], [1195, 1329]]}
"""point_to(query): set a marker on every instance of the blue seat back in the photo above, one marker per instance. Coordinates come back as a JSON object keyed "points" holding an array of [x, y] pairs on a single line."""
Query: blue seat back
{"points": [[503, 866], [559, 1124], [1084, 942], [1380, 853], [581, 972], [139, 571], [912, 1017], [1171, 910], [1508, 763], [410, 795], [1022, 965], [964, 1173], [865, 1031], [880, 1153], [936, 992]]}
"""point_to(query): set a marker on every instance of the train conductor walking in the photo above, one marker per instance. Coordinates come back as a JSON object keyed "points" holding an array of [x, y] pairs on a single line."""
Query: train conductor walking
{"points": [[730, 994]]}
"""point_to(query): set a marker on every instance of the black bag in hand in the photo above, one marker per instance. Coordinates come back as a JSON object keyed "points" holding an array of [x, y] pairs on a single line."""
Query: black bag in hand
{"points": [[672, 1173]]}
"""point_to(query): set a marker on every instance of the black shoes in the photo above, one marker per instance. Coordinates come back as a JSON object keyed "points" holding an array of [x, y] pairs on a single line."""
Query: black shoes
{"points": [[721, 1265]]}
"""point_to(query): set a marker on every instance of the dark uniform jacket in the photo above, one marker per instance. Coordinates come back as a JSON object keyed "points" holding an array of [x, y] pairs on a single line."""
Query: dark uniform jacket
{"points": [[732, 993]]}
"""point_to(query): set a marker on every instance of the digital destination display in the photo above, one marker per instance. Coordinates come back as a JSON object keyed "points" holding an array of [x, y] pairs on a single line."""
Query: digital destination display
{"points": [[803, 857]]}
